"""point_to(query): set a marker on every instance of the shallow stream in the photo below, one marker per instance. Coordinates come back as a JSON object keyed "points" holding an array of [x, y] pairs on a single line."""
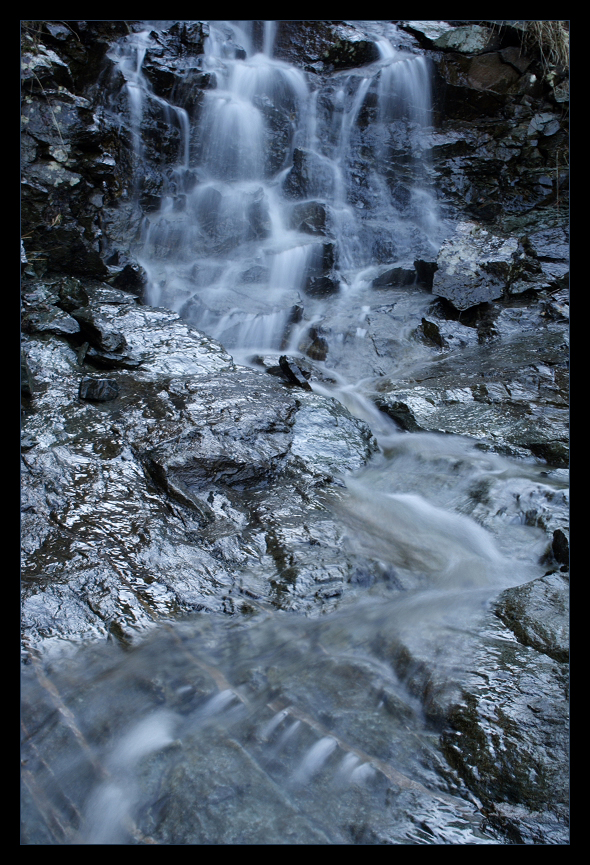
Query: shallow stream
{"points": [[280, 213]]}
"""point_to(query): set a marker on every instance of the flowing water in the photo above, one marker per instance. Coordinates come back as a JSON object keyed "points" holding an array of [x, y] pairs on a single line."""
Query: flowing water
{"points": [[279, 212]]}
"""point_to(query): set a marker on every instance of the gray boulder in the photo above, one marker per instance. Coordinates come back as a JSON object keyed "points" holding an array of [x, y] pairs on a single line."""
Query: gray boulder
{"points": [[474, 266]]}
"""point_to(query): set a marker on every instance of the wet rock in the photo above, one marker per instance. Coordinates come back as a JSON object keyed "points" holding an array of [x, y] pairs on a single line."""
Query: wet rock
{"points": [[550, 244], [522, 411], [322, 277], [72, 293], [431, 30], [51, 320], [315, 344], [99, 330], [349, 49], [494, 170], [292, 373], [544, 124], [401, 411], [200, 487], [99, 389], [258, 217], [448, 334], [474, 266], [319, 44], [396, 276], [310, 217], [40, 66], [191, 34], [515, 56], [560, 547], [474, 87], [226, 449], [322, 286], [310, 176], [310, 371], [538, 614], [281, 127], [132, 278], [515, 757], [179, 80], [25, 380], [554, 452], [467, 40]]}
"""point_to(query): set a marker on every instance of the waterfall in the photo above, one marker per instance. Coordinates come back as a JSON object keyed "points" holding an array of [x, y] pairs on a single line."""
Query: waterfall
{"points": [[290, 212], [280, 193]]}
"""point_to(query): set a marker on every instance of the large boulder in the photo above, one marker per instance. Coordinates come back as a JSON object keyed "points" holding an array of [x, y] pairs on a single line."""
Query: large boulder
{"points": [[474, 266]]}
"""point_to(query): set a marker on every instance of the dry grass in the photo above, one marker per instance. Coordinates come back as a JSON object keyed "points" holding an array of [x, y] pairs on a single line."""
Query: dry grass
{"points": [[552, 41]]}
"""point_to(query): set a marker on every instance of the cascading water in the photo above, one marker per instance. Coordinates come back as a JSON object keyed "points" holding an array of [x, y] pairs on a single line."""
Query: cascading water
{"points": [[283, 205], [281, 197]]}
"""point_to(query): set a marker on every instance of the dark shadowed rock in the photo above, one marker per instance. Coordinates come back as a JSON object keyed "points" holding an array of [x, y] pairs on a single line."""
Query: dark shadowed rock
{"points": [[561, 547], [310, 217], [310, 176], [25, 380], [99, 389], [396, 276], [292, 373], [132, 278], [322, 286], [425, 271]]}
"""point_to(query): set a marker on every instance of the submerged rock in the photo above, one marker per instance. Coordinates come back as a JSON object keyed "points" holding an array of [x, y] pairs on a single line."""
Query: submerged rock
{"points": [[396, 276]]}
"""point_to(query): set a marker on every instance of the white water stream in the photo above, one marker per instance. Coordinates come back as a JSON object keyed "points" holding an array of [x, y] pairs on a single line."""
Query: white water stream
{"points": [[233, 250]]}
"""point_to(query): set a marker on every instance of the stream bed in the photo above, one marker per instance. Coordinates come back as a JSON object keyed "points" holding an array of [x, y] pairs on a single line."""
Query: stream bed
{"points": [[278, 588]]}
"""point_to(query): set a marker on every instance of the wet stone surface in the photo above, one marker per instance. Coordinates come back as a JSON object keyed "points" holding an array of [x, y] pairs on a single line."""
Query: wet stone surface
{"points": [[233, 455], [317, 637]]}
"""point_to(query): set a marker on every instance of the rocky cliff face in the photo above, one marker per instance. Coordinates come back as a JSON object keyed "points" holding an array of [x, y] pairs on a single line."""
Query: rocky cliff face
{"points": [[161, 479]]}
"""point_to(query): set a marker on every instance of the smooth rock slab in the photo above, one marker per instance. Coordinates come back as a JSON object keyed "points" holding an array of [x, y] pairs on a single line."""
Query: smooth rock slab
{"points": [[196, 490], [508, 738]]}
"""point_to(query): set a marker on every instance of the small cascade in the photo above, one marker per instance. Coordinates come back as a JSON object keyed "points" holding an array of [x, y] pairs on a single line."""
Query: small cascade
{"points": [[281, 212], [282, 193]]}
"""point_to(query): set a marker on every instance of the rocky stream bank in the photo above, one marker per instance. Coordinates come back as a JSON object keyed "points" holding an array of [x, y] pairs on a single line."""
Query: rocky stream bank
{"points": [[165, 482]]}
